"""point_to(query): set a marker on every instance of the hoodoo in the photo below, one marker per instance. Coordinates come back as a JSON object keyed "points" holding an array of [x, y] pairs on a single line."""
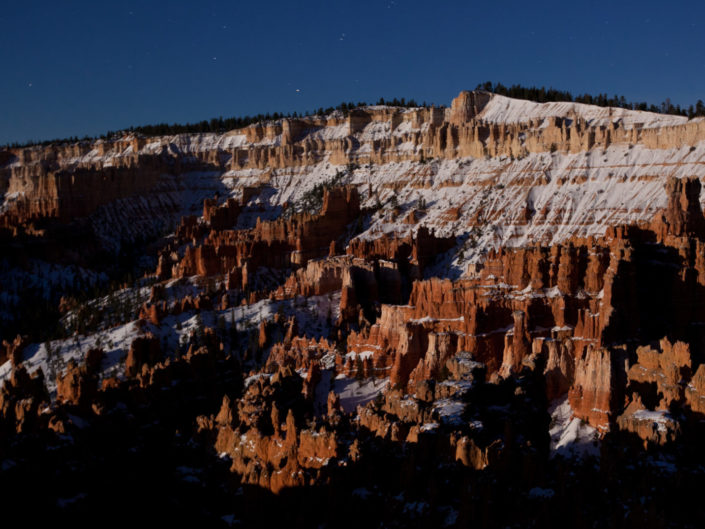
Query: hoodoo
{"points": [[409, 316]]}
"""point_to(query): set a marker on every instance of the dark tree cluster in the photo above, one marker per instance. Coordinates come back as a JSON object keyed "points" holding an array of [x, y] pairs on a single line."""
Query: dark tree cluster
{"points": [[217, 125], [531, 93], [411, 103], [55, 141], [545, 95], [312, 200]]}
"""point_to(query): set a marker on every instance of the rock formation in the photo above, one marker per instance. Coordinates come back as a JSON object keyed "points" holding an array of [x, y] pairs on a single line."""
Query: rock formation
{"points": [[435, 315]]}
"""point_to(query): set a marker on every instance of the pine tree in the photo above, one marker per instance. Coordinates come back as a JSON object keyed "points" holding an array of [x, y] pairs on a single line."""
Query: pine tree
{"points": [[359, 368], [700, 108]]}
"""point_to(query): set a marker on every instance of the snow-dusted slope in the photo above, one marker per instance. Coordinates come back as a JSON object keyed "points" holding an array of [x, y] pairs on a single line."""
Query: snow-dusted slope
{"points": [[542, 198], [529, 179], [501, 109]]}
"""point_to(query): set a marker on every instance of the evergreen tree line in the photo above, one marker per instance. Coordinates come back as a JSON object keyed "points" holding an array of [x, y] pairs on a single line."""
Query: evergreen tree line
{"points": [[219, 124], [531, 93], [545, 95]]}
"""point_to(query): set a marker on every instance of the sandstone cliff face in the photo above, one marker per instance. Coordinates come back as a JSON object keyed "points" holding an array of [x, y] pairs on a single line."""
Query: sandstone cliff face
{"points": [[69, 181], [275, 244], [567, 310], [267, 449], [66, 182], [21, 398], [571, 305], [79, 385], [144, 351], [596, 390], [66, 195], [397, 292]]}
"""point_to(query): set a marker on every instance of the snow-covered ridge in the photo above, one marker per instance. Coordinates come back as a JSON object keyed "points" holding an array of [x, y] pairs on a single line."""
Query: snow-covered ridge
{"points": [[502, 109], [510, 191], [376, 133]]}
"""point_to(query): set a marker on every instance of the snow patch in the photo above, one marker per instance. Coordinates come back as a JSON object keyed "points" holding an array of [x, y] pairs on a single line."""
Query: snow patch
{"points": [[354, 393], [570, 437]]}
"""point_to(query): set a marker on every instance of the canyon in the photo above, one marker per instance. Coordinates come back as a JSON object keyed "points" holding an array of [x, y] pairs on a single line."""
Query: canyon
{"points": [[431, 316]]}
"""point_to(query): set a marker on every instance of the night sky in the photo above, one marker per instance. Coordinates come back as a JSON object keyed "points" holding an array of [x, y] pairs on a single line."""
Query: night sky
{"points": [[74, 68]]}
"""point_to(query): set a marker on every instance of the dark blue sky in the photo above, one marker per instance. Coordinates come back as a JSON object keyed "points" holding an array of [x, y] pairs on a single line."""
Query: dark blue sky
{"points": [[76, 68]]}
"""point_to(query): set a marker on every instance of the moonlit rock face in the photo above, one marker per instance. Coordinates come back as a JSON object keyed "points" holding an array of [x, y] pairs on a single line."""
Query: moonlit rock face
{"points": [[380, 305]]}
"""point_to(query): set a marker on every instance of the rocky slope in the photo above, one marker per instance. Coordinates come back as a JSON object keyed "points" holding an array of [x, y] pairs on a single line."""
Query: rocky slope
{"points": [[425, 316]]}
